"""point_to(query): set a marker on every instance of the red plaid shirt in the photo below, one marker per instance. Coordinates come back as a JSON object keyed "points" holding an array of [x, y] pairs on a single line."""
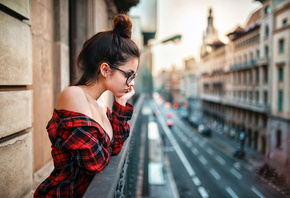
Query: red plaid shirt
{"points": [[81, 148]]}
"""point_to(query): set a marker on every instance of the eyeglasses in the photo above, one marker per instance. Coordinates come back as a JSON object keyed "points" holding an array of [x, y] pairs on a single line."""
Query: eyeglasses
{"points": [[129, 76]]}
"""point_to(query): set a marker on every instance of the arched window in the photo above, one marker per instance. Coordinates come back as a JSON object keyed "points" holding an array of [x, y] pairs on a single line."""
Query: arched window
{"points": [[278, 138]]}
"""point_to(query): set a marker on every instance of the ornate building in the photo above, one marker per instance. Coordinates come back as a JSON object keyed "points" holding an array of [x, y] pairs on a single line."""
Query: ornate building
{"points": [[243, 83]]}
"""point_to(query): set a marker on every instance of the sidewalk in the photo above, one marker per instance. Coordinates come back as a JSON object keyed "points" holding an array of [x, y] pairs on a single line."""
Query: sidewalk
{"points": [[161, 181], [254, 160]]}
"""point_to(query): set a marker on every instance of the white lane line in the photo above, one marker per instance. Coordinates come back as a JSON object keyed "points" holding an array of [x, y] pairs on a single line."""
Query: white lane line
{"points": [[236, 173], [177, 148], [210, 151], [202, 192], [202, 144], [202, 160], [194, 151], [215, 174], [196, 181], [257, 192], [231, 192], [188, 144], [220, 160], [237, 165]]}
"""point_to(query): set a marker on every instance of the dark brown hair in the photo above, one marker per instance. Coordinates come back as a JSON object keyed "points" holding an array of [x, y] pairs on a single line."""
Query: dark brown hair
{"points": [[114, 47]]}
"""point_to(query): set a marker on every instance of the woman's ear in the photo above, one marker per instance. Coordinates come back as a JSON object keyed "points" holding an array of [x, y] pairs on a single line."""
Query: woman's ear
{"points": [[104, 69]]}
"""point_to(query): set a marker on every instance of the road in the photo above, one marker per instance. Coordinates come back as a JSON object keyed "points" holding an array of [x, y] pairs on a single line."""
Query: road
{"points": [[204, 167]]}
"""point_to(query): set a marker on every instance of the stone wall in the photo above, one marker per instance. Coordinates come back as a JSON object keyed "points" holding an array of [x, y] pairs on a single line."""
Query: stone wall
{"points": [[16, 99]]}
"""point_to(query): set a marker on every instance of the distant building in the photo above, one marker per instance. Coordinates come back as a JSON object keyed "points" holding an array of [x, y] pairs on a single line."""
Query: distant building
{"points": [[245, 84], [190, 89]]}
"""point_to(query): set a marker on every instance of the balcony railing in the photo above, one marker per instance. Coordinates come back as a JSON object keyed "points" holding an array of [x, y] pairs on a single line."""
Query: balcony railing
{"points": [[244, 65], [111, 181]]}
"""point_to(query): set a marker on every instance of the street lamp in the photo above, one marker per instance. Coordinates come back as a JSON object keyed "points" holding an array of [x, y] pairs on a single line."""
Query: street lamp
{"points": [[176, 38]]}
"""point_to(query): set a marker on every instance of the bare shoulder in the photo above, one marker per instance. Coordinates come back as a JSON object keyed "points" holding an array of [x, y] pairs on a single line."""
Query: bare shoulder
{"points": [[73, 98]]}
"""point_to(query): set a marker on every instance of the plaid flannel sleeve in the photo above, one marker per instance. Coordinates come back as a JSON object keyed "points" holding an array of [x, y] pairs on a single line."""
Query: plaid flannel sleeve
{"points": [[89, 151], [119, 119]]}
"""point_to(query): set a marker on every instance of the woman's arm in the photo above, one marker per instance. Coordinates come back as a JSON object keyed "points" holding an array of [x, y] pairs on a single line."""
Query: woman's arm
{"points": [[119, 117]]}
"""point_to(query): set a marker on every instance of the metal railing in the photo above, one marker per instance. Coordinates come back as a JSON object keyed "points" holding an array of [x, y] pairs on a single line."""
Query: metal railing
{"points": [[111, 181]]}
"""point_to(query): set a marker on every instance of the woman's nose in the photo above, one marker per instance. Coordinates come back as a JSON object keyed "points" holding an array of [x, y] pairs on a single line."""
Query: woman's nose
{"points": [[132, 83]]}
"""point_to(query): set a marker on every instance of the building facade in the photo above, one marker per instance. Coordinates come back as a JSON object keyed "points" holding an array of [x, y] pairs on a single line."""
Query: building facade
{"points": [[39, 44], [243, 82], [279, 121]]}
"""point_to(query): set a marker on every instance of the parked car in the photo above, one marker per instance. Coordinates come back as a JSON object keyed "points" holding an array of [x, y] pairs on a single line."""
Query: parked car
{"points": [[204, 130], [169, 115], [170, 123]]}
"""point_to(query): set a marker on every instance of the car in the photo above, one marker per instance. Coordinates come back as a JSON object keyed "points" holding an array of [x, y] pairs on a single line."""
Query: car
{"points": [[169, 115], [170, 123], [204, 130]]}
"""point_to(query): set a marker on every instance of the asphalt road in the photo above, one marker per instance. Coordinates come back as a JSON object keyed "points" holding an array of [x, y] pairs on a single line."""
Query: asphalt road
{"points": [[204, 167]]}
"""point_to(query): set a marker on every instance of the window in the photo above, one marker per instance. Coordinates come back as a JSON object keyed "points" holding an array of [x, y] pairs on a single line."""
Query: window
{"points": [[257, 76], [280, 74], [245, 78], [257, 97], [265, 74], [267, 10], [258, 54], [280, 100], [266, 51], [281, 46], [265, 97], [251, 77], [250, 117], [245, 95], [285, 22], [267, 31], [256, 119], [250, 96]]}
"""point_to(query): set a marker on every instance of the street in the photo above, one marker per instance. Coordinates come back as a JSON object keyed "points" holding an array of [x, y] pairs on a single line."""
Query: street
{"points": [[204, 166]]}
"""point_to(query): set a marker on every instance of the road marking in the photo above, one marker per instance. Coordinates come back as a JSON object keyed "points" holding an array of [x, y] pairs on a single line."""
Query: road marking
{"points": [[194, 150], [202, 192], [196, 181], [215, 174], [231, 192], [220, 160], [237, 165], [177, 148], [188, 144], [210, 151], [257, 192], [202, 160], [202, 144], [236, 173]]}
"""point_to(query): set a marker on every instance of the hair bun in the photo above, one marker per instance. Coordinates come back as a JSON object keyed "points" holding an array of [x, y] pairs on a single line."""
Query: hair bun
{"points": [[123, 23]]}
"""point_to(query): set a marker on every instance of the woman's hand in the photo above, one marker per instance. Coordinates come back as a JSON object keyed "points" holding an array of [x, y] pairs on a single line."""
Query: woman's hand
{"points": [[122, 100]]}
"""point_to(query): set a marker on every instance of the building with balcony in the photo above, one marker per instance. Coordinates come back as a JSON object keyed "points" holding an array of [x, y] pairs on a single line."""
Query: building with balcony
{"points": [[279, 121], [243, 82]]}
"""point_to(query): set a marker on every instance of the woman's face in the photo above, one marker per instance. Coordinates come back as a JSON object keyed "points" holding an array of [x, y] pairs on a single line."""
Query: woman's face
{"points": [[117, 82]]}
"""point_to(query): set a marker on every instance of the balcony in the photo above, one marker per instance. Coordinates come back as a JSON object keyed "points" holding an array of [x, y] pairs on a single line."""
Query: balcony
{"points": [[112, 180], [264, 61], [245, 65], [249, 105]]}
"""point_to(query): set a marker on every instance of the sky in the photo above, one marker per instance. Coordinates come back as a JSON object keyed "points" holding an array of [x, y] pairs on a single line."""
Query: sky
{"points": [[189, 18]]}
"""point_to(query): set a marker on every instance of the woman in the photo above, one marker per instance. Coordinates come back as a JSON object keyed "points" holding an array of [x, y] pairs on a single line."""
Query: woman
{"points": [[83, 131]]}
